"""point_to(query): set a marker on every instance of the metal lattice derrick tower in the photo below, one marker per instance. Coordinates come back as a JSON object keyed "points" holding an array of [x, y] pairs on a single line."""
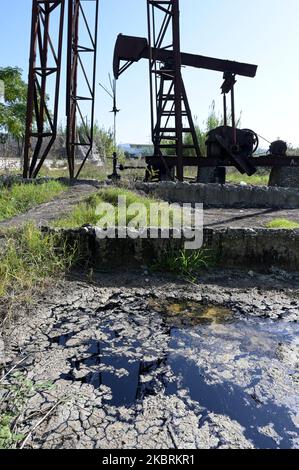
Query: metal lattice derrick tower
{"points": [[171, 116], [44, 69], [81, 80]]}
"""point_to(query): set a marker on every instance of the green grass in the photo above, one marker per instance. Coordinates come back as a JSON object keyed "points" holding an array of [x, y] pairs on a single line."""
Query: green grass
{"points": [[283, 224], [86, 212], [256, 180], [90, 171], [28, 258], [22, 197], [15, 394], [186, 263]]}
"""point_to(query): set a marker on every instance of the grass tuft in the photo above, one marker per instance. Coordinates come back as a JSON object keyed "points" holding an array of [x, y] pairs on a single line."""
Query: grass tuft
{"points": [[283, 224], [28, 258], [187, 263], [85, 213], [256, 180], [22, 197]]}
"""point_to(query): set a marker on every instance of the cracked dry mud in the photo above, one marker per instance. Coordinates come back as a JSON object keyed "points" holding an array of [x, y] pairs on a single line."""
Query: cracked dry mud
{"points": [[160, 364]]}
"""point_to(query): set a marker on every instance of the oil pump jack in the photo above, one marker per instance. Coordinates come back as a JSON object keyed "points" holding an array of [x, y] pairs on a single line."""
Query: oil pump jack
{"points": [[171, 116], [170, 111]]}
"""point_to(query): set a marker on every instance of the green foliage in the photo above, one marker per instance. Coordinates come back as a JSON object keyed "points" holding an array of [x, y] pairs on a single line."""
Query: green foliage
{"points": [[13, 112], [16, 394], [90, 171], [283, 224], [85, 213], [258, 179], [8, 438], [30, 258], [21, 197], [187, 263], [104, 141], [213, 121]]}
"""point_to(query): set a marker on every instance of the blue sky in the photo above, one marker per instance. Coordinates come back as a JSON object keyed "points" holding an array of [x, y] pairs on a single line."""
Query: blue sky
{"points": [[262, 32]]}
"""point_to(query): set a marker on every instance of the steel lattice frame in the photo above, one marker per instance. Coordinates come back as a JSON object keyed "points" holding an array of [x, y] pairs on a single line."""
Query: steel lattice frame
{"points": [[45, 61], [85, 90], [169, 102]]}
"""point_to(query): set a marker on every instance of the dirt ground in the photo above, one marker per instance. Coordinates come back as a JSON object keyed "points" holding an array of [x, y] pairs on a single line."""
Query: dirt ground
{"points": [[246, 218], [136, 360], [46, 213]]}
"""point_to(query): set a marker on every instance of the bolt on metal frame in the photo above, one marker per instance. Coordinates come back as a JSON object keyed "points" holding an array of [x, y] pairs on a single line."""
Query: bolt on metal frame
{"points": [[169, 102], [44, 62]]}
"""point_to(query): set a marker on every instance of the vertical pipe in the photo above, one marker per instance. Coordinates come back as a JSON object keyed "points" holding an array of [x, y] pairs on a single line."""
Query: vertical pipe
{"points": [[72, 75], [233, 115], [149, 8], [224, 110], [68, 82]]}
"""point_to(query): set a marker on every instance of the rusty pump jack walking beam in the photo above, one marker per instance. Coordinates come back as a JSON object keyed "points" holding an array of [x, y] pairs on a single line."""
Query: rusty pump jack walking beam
{"points": [[170, 111], [45, 62]]}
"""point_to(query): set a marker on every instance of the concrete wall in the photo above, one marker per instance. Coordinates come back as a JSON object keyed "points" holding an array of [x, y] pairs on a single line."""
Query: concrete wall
{"points": [[10, 164], [229, 196], [258, 249], [285, 177]]}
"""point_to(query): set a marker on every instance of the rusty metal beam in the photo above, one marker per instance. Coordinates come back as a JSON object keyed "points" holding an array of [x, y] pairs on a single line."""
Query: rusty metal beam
{"points": [[271, 161], [44, 63], [132, 49]]}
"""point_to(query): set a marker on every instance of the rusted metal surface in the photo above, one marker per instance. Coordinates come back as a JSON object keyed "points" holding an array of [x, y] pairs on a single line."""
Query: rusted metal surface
{"points": [[171, 116], [44, 64], [173, 130], [271, 161], [170, 111], [81, 92], [132, 49]]}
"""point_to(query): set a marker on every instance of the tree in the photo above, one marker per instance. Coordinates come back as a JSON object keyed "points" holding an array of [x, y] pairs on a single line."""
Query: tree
{"points": [[103, 141], [13, 111]]}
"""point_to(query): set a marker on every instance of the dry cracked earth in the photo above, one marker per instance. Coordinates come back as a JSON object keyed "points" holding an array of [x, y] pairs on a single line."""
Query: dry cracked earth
{"points": [[157, 363]]}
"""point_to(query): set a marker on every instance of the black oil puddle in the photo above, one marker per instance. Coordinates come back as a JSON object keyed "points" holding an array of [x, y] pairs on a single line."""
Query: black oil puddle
{"points": [[231, 400], [188, 326]]}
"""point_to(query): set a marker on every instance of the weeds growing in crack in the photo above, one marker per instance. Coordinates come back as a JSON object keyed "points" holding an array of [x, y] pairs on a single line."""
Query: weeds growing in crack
{"points": [[185, 263], [85, 213], [15, 394]]}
